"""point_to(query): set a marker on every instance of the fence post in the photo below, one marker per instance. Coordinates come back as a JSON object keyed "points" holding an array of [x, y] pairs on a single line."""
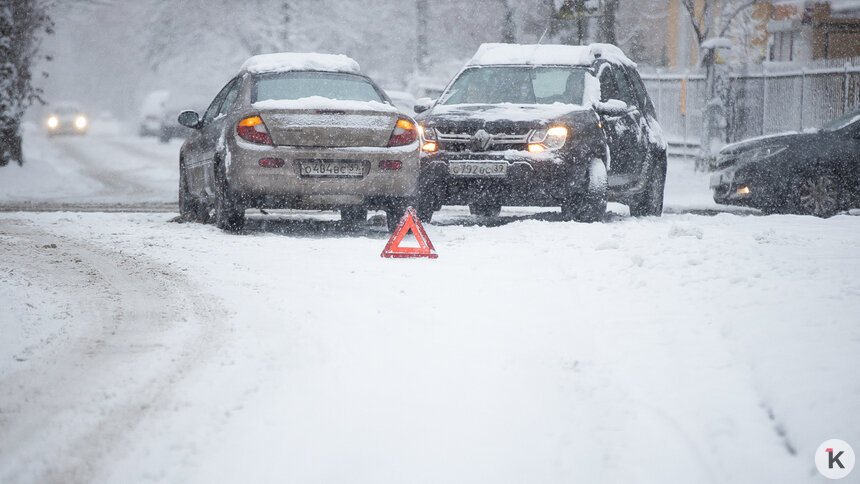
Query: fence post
{"points": [[802, 89], [845, 90], [763, 96]]}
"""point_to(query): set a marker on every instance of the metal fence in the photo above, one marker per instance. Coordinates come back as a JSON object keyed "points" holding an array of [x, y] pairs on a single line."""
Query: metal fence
{"points": [[764, 99]]}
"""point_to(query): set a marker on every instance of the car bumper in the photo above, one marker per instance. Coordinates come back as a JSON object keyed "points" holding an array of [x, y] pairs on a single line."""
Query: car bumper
{"points": [[286, 186], [530, 179]]}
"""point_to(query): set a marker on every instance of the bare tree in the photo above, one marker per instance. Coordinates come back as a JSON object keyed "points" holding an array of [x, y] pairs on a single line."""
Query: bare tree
{"points": [[22, 23]]}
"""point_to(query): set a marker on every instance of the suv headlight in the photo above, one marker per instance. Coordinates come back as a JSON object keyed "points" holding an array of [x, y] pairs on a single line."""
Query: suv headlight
{"points": [[547, 139], [428, 139]]}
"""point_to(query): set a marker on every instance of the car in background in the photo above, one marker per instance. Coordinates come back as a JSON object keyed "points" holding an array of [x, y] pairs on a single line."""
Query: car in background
{"points": [[170, 127], [813, 173], [402, 99], [543, 125], [66, 118], [305, 131], [152, 111]]}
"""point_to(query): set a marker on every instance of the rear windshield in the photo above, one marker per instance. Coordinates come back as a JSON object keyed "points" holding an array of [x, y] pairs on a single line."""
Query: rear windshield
{"points": [[518, 85], [297, 85]]}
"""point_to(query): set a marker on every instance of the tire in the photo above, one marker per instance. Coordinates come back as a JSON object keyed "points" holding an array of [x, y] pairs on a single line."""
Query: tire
{"points": [[589, 206], [485, 209], [229, 213], [353, 216], [190, 209], [818, 195], [394, 213], [425, 213], [650, 201]]}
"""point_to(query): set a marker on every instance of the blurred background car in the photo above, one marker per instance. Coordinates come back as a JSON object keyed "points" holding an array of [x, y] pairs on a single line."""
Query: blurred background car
{"points": [[152, 111], [812, 173], [66, 118], [402, 99], [170, 127]]}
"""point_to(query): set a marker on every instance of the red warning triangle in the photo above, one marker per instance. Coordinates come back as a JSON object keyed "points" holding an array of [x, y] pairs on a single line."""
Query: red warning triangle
{"points": [[408, 223]]}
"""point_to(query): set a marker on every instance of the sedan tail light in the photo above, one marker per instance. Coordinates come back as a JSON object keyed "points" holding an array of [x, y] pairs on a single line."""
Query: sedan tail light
{"points": [[254, 130], [404, 133]]}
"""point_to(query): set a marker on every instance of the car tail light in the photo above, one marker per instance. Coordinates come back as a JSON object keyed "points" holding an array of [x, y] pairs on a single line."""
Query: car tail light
{"points": [[404, 133], [271, 162], [390, 165], [253, 129]]}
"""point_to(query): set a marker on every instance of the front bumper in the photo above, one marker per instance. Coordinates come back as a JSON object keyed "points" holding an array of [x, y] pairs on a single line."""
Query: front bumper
{"points": [[531, 179], [285, 187]]}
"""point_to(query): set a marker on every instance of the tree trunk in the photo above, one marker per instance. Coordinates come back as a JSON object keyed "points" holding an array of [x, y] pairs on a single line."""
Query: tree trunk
{"points": [[10, 146], [607, 22]]}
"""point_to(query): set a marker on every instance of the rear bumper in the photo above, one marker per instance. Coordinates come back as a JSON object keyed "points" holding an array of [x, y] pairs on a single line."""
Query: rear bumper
{"points": [[286, 187], [531, 179]]}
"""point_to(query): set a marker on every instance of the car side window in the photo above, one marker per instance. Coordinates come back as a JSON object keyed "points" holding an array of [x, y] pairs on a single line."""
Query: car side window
{"points": [[212, 111], [625, 89], [641, 93], [231, 96], [608, 86]]}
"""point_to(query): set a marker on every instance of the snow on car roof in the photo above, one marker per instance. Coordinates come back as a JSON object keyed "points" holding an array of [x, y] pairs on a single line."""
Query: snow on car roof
{"points": [[293, 61], [519, 54]]}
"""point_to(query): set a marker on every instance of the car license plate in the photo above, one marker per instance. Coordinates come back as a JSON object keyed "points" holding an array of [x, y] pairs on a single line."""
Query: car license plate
{"points": [[478, 168], [335, 169]]}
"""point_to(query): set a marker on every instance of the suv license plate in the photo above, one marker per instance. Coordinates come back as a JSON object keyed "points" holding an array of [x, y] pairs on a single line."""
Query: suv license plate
{"points": [[337, 169], [478, 168]]}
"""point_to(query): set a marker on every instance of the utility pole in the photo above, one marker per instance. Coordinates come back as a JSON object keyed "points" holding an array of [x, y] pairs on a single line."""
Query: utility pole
{"points": [[422, 57]]}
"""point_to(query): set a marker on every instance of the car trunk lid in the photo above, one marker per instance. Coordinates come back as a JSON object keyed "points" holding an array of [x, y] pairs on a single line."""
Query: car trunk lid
{"points": [[330, 127]]}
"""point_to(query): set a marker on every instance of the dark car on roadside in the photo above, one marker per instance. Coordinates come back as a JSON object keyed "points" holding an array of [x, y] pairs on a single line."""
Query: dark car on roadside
{"points": [[543, 125], [813, 173]]}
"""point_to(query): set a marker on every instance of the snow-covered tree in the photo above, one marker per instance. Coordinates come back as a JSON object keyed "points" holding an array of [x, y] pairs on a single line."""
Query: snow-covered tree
{"points": [[22, 23]]}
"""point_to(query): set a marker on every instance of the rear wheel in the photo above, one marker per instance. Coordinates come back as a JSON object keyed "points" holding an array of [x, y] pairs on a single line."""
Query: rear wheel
{"points": [[229, 213], [485, 209], [394, 212], [818, 195], [650, 201], [589, 206], [353, 216]]}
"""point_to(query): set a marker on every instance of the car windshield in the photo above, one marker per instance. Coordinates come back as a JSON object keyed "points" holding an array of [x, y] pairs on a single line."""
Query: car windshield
{"points": [[66, 110], [298, 85], [842, 121], [518, 85]]}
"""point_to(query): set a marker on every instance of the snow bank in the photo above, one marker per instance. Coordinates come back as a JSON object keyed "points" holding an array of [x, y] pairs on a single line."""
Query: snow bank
{"points": [[319, 102], [515, 54], [290, 61]]}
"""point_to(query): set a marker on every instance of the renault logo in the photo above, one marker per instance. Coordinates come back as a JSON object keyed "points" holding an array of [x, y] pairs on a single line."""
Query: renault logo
{"points": [[481, 140]]}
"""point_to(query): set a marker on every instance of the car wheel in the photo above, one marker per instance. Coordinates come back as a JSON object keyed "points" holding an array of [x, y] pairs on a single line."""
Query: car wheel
{"points": [[190, 209], [485, 209], [650, 201], [229, 213], [425, 213], [818, 195], [591, 205], [353, 216]]}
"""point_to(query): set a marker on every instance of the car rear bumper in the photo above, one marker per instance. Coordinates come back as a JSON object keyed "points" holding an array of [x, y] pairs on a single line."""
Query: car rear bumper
{"points": [[530, 179], [286, 186]]}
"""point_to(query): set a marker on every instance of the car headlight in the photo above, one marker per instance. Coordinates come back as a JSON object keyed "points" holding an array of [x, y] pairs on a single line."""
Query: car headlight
{"points": [[428, 139], [53, 122], [547, 139], [763, 153], [80, 122]]}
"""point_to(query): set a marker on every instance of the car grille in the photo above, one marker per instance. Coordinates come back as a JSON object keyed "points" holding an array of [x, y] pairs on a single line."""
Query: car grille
{"points": [[452, 141]]}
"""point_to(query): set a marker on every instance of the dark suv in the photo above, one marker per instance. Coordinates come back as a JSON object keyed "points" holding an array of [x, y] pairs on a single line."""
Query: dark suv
{"points": [[543, 125]]}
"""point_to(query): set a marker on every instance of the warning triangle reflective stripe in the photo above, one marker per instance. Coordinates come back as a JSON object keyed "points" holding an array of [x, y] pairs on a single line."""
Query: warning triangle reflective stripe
{"points": [[408, 223]]}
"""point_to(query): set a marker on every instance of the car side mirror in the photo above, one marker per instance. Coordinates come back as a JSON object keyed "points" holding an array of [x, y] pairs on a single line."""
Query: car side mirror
{"points": [[612, 107], [189, 119], [422, 104]]}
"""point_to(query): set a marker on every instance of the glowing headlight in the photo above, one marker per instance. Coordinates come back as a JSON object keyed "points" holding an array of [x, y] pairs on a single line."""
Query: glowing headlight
{"points": [[80, 122], [550, 139], [53, 122], [428, 138]]}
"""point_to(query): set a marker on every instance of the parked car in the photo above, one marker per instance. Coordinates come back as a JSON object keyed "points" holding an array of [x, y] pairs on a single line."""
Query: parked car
{"points": [[814, 173], [152, 111], [543, 125], [66, 118], [298, 131]]}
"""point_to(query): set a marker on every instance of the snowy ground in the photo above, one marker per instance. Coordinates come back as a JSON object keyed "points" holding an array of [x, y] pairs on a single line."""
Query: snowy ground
{"points": [[701, 346]]}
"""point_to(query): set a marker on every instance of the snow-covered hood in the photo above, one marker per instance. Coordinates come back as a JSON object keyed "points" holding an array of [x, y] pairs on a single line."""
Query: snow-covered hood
{"points": [[502, 116], [767, 140]]}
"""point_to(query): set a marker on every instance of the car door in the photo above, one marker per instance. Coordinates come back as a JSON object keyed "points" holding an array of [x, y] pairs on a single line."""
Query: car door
{"points": [[202, 144], [624, 133], [219, 126]]}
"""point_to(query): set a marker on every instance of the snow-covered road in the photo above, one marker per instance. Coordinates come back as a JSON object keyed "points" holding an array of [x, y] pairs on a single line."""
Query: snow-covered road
{"points": [[686, 348]]}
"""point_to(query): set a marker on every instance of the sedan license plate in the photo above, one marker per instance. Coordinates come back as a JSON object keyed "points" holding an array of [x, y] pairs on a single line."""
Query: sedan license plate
{"points": [[331, 169], [478, 168]]}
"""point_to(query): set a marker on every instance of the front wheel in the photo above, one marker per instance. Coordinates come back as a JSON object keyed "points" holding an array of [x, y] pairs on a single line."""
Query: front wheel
{"points": [[229, 213], [589, 206], [190, 209], [485, 209], [353, 216], [650, 201], [818, 195]]}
